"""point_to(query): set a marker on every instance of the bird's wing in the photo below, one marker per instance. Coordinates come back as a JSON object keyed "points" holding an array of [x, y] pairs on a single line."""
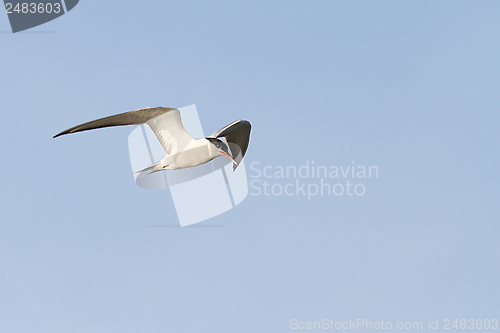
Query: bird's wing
{"points": [[237, 135], [170, 132], [165, 123]]}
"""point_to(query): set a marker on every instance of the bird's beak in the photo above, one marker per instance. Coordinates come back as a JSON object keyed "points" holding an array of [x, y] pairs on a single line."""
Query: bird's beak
{"points": [[228, 156]]}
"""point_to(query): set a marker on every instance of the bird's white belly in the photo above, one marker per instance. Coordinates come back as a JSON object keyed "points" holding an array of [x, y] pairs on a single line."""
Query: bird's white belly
{"points": [[194, 154]]}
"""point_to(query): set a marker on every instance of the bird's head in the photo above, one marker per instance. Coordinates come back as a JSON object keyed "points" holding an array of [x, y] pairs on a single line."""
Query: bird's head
{"points": [[221, 148]]}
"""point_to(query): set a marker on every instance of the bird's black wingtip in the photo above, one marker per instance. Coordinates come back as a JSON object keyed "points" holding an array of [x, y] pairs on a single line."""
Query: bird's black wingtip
{"points": [[59, 134]]}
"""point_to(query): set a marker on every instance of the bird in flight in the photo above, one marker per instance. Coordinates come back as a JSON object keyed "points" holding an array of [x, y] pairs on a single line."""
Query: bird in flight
{"points": [[181, 149]]}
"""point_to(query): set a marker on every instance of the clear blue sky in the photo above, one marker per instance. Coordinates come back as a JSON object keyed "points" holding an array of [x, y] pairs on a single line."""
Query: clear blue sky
{"points": [[409, 87]]}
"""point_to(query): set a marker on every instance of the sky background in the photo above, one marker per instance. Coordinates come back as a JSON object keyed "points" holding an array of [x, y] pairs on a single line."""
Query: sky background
{"points": [[411, 87]]}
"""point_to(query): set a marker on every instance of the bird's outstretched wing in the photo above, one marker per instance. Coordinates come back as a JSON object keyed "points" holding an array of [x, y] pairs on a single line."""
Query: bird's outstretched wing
{"points": [[237, 135], [165, 123]]}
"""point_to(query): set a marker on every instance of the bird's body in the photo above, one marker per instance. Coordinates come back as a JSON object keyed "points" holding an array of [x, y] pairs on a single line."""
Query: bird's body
{"points": [[196, 152], [181, 149]]}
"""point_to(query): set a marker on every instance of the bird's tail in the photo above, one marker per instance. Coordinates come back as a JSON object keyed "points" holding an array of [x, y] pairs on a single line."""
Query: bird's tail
{"points": [[153, 168]]}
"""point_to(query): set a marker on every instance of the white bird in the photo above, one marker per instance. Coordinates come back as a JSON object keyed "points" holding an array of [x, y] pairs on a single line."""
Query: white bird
{"points": [[181, 149]]}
